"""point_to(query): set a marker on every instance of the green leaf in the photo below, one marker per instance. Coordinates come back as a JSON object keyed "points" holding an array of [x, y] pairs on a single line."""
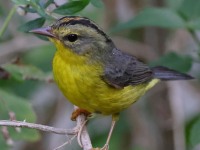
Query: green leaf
{"points": [[97, 3], [71, 7], [194, 24], [25, 134], [3, 144], [8, 73], [28, 9], [41, 57], [174, 4], [36, 1], [174, 61], [32, 24], [26, 72], [21, 2], [20, 106], [190, 9], [194, 132], [2, 13], [23, 111], [158, 17]]}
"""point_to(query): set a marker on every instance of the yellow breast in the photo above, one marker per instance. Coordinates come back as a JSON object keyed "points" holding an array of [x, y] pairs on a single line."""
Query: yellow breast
{"points": [[83, 86]]}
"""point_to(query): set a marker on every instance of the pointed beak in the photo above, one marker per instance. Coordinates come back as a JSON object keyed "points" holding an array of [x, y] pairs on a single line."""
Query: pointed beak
{"points": [[46, 31]]}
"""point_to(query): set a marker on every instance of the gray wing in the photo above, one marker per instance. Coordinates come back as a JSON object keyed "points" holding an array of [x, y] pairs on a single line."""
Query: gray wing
{"points": [[122, 70]]}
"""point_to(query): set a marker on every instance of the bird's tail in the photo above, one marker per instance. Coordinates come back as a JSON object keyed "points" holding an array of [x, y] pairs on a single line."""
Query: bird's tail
{"points": [[164, 73]]}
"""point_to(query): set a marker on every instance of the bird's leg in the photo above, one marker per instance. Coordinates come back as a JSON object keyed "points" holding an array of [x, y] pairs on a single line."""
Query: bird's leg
{"points": [[115, 117], [77, 112], [106, 146]]}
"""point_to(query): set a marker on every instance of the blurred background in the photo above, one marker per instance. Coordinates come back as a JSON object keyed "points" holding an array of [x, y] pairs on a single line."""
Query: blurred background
{"points": [[158, 32]]}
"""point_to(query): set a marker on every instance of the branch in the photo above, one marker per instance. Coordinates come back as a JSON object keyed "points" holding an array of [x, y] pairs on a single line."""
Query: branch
{"points": [[85, 141], [37, 126], [80, 130]]}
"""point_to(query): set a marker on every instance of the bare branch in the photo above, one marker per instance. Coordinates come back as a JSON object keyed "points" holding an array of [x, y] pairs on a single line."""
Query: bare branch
{"points": [[84, 137], [80, 130], [37, 126]]}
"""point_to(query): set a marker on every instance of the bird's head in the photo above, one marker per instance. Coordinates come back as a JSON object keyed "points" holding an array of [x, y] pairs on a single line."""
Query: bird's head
{"points": [[77, 34]]}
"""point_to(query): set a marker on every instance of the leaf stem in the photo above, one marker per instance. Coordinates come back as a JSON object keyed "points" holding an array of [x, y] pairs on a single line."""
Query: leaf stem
{"points": [[41, 11], [8, 18]]}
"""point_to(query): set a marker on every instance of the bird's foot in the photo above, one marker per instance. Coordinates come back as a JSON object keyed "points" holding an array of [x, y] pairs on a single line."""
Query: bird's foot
{"points": [[79, 111]]}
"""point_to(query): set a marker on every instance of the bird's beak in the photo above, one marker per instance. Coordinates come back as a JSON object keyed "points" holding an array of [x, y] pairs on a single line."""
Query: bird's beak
{"points": [[46, 31]]}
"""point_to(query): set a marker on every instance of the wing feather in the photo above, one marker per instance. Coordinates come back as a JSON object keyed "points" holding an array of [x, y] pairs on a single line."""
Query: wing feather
{"points": [[123, 69]]}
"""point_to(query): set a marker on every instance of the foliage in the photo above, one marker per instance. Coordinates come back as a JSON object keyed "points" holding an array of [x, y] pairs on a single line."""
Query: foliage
{"points": [[39, 7], [23, 72], [16, 73], [22, 110], [159, 17], [33, 24], [71, 7], [193, 132], [182, 14], [174, 61], [186, 16]]}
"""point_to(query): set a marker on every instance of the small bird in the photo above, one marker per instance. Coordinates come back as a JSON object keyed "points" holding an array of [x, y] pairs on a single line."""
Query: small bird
{"points": [[95, 75]]}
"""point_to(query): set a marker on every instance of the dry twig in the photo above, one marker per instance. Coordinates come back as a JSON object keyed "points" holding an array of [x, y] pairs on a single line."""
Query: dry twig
{"points": [[37, 127], [80, 129]]}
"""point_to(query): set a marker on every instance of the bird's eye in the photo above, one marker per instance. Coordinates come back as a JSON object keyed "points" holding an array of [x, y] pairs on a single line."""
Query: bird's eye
{"points": [[70, 37]]}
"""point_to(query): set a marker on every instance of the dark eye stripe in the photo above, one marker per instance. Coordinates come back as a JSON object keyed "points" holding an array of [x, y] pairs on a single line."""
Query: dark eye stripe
{"points": [[85, 22]]}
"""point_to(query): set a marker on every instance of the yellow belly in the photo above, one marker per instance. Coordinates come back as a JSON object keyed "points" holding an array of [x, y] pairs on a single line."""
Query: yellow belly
{"points": [[81, 83]]}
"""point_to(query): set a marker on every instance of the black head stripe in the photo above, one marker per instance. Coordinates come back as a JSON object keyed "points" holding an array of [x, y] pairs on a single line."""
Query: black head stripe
{"points": [[72, 20]]}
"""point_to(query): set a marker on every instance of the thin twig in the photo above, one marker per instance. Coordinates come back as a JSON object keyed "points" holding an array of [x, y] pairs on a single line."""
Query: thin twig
{"points": [[37, 126], [8, 18], [67, 142]]}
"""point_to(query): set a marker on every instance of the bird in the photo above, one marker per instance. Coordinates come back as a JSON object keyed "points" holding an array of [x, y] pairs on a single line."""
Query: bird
{"points": [[94, 74]]}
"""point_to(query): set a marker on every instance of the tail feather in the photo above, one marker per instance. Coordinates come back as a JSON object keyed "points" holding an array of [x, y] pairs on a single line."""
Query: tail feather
{"points": [[165, 74]]}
